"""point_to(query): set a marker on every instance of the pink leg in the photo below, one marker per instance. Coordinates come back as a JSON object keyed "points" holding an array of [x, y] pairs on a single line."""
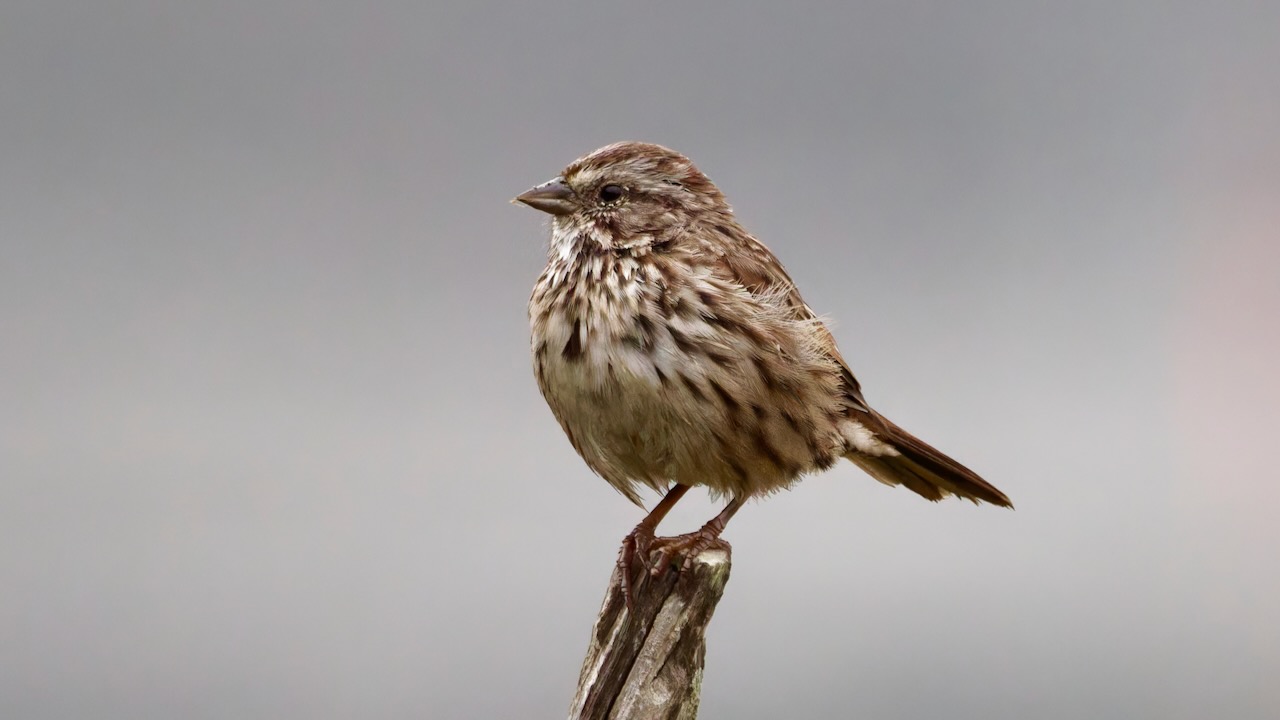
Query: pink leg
{"points": [[690, 545], [635, 546]]}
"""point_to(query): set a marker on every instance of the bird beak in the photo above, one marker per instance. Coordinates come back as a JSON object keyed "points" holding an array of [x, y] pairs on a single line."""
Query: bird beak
{"points": [[552, 197]]}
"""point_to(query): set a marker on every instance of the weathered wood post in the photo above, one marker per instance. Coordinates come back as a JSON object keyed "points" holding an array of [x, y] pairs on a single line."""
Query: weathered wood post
{"points": [[648, 663]]}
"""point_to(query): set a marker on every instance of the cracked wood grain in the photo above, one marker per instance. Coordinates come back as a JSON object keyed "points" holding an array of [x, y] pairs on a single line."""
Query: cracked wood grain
{"points": [[648, 663]]}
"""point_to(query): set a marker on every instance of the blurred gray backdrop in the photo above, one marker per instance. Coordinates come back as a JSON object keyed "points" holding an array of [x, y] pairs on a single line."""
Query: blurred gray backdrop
{"points": [[269, 442]]}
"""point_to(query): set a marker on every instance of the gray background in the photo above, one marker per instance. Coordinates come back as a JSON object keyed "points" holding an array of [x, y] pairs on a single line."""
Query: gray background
{"points": [[269, 442]]}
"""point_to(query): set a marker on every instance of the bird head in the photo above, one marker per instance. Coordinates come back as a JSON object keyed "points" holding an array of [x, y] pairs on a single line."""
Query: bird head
{"points": [[627, 195]]}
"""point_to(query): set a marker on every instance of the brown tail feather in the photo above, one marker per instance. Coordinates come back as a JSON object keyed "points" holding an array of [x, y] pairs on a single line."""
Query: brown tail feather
{"points": [[922, 468]]}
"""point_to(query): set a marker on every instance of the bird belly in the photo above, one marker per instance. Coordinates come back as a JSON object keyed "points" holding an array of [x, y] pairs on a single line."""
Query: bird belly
{"points": [[652, 414], [619, 419]]}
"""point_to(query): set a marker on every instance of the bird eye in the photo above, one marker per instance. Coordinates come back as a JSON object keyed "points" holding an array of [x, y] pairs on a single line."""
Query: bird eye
{"points": [[610, 193]]}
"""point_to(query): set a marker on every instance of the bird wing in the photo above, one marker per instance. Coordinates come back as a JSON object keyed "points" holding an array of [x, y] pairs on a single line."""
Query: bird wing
{"points": [[751, 266], [923, 469]]}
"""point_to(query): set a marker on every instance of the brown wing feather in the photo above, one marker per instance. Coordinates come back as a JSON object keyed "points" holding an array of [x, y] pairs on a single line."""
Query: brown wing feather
{"points": [[748, 263], [921, 468]]}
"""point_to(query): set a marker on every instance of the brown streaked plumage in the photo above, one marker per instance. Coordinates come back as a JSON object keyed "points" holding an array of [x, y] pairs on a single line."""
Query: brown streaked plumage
{"points": [[674, 350]]}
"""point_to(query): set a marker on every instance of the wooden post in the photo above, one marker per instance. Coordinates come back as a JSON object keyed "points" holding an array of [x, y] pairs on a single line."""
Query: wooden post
{"points": [[648, 664]]}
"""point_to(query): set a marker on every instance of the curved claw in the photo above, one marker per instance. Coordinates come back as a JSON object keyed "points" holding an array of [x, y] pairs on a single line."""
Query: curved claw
{"points": [[687, 546], [639, 541], [635, 546]]}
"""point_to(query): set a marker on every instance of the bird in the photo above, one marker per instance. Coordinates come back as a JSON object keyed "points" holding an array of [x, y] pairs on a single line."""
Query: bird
{"points": [[675, 351]]}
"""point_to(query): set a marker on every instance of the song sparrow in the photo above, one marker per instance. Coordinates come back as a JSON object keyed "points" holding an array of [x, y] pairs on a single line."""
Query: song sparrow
{"points": [[675, 351]]}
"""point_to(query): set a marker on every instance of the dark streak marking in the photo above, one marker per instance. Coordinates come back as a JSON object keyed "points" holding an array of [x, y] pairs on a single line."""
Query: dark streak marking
{"points": [[729, 402], [693, 387], [719, 358], [770, 453], [682, 341], [787, 384], [645, 324], [670, 305], [745, 329], [819, 455], [573, 348], [770, 382], [823, 461], [685, 309]]}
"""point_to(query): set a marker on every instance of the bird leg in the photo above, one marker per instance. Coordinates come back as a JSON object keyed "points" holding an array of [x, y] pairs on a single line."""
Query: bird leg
{"points": [[691, 544], [637, 542]]}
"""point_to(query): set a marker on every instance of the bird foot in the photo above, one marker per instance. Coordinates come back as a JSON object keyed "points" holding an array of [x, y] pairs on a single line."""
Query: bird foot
{"points": [[634, 551], [683, 549]]}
